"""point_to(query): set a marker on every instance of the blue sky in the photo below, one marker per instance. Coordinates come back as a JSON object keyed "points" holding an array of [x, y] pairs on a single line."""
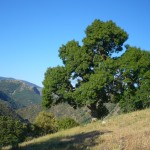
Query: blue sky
{"points": [[31, 31]]}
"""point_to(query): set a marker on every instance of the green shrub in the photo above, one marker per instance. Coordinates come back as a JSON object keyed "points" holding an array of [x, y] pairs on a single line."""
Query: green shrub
{"points": [[11, 131], [66, 123], [45, 123]]}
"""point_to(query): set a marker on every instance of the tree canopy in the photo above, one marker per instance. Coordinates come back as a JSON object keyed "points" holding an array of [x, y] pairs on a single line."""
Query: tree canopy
{"points": [[91, 76]]}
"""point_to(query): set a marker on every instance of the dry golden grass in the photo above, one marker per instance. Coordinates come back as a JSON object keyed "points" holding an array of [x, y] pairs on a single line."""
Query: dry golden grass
{"points": [[125, 132], [130, 132]]}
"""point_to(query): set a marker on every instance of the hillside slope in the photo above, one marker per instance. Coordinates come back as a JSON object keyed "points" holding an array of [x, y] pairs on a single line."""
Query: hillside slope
{"points": [[6, 110], [124, 132]]}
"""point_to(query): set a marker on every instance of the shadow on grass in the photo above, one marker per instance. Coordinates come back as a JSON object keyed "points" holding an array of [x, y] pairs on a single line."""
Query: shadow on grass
{"points": [[76, 142]]}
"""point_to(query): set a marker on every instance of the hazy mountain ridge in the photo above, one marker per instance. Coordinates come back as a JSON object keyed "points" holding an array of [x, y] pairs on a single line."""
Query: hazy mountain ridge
{"points": [[29, 84], [26, 82], [20, 92], [6, 78], [17, 95]]}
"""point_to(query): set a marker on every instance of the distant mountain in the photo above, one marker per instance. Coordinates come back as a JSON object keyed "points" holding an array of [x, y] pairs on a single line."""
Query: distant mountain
{"points": [[19, 92], [4, 78], [35, 87], [26, 82], [30, 84], [17, 95]]}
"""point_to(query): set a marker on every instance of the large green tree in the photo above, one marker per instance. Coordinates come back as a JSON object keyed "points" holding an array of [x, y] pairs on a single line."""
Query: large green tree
{"points": [[87, 76]]}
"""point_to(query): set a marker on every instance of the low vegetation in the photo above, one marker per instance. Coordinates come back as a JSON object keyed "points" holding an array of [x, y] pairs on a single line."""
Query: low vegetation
{"points": [[12, 131], [46, 122], [124, 132], [66, 123]]}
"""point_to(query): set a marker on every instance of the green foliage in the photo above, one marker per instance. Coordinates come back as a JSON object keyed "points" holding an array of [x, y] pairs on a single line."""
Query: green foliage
{"points": [[104, 37], [91, 76], [88, 66], [55, 83], [11, 131], [46, 123], [66, 123], [135, 75]]}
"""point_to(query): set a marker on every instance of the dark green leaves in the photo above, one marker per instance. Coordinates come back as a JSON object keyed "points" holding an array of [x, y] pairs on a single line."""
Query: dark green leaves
{"points": [[135, 76], [56, 84], [104, 37], [97, 77], [11, 131]]}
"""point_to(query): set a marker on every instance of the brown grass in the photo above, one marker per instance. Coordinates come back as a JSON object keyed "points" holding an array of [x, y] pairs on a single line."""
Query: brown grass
{"points": [[130, 132], [125, 132]]}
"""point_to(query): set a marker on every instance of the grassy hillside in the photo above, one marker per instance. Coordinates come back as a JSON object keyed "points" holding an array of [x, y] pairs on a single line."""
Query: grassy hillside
{"points": [[124, 132]]}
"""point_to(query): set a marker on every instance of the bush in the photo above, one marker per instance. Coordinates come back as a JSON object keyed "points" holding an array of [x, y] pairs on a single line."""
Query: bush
{"points": [[45, 122], [11, 131], [66, 123]]}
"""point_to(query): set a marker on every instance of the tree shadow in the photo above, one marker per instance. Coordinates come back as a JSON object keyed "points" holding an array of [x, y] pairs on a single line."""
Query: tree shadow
{"points": [[80, 141]]}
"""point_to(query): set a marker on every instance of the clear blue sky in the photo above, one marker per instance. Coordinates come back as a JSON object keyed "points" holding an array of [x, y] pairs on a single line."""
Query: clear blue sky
{"points": [[31, 31]]}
